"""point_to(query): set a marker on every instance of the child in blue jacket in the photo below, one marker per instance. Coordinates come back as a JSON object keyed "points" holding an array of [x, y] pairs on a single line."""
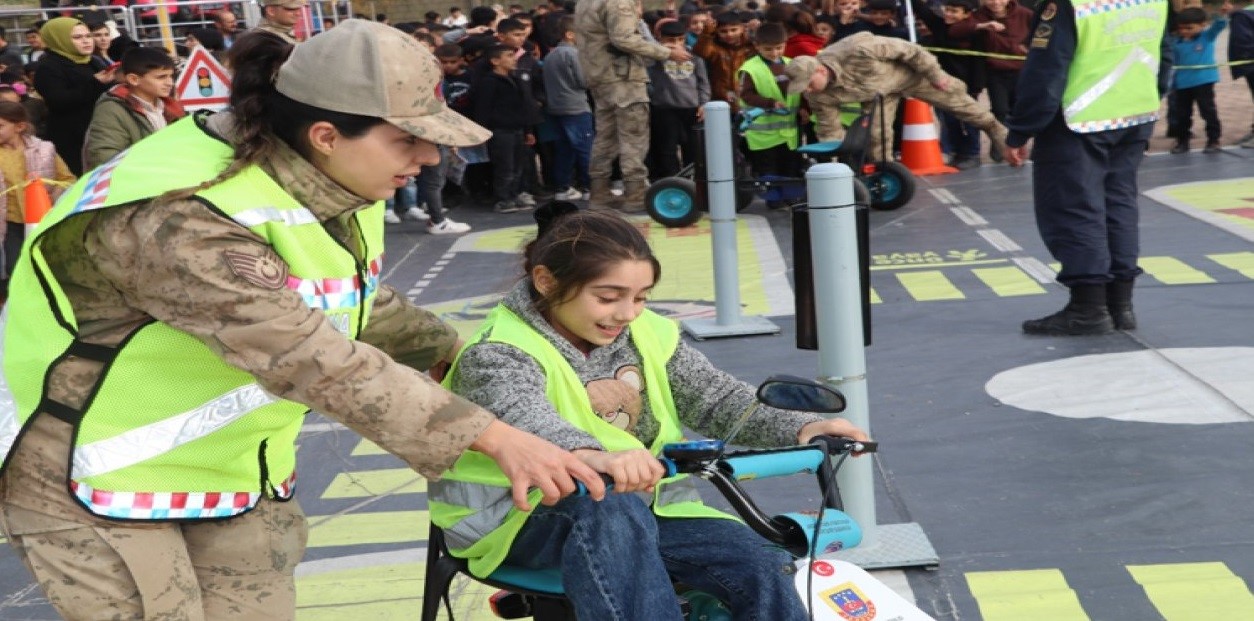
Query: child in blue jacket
{"points": [[1194, 45]]}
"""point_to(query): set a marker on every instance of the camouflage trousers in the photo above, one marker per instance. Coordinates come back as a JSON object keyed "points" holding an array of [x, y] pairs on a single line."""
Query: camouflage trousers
{"points": [[238, 569], [622, 131]]}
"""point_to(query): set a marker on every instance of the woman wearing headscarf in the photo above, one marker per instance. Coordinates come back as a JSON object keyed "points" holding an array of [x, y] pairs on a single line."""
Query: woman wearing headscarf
{"points": [[70, 85]]}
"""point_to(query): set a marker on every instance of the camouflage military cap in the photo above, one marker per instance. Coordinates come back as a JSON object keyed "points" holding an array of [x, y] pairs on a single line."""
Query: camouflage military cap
{"points": [[371, 69], [287, 4], [799, 71]]}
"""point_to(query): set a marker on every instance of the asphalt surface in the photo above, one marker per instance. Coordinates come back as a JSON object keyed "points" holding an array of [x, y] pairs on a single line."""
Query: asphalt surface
{"points": [[1094, 478]]}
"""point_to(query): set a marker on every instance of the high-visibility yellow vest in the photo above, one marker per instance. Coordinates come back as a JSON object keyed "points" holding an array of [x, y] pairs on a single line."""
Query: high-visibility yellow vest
{"points": [[770, 129], [472, 501], [172, 431], [1113, 79]]}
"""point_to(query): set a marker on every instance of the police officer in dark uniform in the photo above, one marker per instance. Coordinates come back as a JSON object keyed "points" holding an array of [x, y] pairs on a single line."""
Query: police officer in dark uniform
{"points": [[1089, 96]]}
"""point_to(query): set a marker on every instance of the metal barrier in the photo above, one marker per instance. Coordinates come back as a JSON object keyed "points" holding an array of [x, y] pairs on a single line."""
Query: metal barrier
{"points": [[141, 21]]}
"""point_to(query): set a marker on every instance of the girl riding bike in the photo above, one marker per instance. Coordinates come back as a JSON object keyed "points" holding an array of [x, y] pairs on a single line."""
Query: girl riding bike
{"points": [[572, 355]]}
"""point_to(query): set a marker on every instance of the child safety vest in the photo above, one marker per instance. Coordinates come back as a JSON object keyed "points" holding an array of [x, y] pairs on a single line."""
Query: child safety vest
{"points": [[472, 501], [770, 129], [172, 432], [1113, 80]]}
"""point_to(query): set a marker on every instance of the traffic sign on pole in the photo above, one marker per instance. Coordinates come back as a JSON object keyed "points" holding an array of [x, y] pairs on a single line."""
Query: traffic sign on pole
{"points": [[204, 83]]}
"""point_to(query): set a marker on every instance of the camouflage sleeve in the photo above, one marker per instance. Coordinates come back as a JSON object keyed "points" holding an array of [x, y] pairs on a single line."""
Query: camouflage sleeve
{"points": [[906, 53], [623, 27], [198, 272], [826, 111], [411, 335]]}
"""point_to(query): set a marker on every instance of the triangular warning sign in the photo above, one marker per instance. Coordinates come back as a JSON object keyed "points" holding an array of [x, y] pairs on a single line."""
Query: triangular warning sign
{"points": [[204, 83]]}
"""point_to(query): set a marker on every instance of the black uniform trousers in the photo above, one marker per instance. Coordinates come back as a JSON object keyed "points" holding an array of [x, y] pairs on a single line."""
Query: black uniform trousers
{"points": [[1085, 190]]}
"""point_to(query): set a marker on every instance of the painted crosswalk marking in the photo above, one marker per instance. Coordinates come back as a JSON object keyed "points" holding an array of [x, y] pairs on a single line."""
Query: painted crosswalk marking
{"points": [[929, 285], [1008, 281], [1240, 262], [1186, 591], [1023, 595], [1173, 271], [1020, 276]]}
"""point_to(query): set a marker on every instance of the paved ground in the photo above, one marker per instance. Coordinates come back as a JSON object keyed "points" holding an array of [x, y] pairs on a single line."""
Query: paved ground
{"points": [[1058, 479]]}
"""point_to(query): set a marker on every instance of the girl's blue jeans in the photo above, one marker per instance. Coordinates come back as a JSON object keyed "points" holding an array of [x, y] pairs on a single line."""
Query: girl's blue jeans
{"points": [[618, 561]]}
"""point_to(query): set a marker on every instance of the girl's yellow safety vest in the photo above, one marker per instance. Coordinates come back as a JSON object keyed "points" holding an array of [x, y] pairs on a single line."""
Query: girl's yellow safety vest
{"points": [[472, 501]]}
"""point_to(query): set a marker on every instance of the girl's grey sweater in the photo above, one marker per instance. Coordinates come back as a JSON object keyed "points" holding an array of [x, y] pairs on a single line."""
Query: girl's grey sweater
{"points": [[510, 383]]}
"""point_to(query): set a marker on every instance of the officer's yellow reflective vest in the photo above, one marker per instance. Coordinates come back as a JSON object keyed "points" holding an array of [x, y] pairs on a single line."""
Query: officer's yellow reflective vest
{"points": [[472, 501], [172, 432], [770, 129], [1113, 80]]}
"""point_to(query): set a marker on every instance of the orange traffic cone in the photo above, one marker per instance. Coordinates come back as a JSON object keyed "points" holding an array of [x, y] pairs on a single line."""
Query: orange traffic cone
{"points": [[920, 146], [38, 203]]}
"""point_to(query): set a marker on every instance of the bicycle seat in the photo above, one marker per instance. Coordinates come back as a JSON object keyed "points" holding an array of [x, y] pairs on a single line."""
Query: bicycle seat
{"points": [[820, 148]]}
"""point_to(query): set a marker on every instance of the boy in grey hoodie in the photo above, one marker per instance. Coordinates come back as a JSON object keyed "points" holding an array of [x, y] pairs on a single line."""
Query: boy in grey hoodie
{"points": [[680, 91], [568, 107]]}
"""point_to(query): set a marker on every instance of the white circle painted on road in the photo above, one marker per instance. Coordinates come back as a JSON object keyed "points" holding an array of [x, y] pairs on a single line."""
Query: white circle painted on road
{"points": [[1186, 386]]}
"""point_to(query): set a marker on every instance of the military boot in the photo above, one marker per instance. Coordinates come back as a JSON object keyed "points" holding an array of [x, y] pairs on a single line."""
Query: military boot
{"points": [[1119, 304], [599, 196], [1084, 315], [633, 196]]}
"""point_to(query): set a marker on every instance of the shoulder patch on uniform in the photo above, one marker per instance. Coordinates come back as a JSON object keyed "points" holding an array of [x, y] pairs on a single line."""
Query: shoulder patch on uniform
{"points": [[267, 271], [1049, 12]]}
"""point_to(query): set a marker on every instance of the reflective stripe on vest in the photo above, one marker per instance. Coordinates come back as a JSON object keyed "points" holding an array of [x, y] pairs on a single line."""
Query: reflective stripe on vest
{"points": [[1112, 82], [472, 500], [171, 505], [173, 432], [770, 129]]}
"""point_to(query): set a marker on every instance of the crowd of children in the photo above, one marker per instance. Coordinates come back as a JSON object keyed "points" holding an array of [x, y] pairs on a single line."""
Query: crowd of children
{"points": [[518, 73]]}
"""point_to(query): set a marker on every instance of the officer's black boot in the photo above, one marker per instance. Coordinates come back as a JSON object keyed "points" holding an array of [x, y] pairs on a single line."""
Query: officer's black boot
{"points": [[1119, 303], [1084, 315]]}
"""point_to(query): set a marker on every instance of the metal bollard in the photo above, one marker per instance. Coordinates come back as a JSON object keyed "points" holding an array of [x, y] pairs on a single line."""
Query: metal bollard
{"points": [[842, 361], [721, 172]]}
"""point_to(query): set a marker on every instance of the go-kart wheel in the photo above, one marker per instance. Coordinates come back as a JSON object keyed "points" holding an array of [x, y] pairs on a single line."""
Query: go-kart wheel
{"points": [[672, 202], [891, 185], [861, 195]]}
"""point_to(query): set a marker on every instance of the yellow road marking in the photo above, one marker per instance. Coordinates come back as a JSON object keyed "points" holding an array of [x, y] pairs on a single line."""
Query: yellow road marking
{"points": [[1020, 595], [365, 483], [366, 447], [930, 285], [1242, 262], [1185, 591], [353, 529], [1008, 281], [875, 297], [1173, 271], [384, 593]]}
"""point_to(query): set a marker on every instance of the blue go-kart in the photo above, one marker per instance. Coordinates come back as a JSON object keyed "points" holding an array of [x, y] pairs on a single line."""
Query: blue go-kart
{"points": [[673, 201]]}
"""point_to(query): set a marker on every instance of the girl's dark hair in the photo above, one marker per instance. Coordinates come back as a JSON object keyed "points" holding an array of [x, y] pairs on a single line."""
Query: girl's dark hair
{"points": [[14, 112], [263, 114], [578, 247]]}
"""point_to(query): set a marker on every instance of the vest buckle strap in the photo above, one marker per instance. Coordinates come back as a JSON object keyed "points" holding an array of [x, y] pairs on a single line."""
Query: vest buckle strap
{"points": [[91, 351], [60, 411]]}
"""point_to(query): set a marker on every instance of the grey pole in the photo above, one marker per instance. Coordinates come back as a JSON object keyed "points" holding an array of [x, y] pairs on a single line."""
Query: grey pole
{"points": [[842, 362], [721, 173], [837, 296]]}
